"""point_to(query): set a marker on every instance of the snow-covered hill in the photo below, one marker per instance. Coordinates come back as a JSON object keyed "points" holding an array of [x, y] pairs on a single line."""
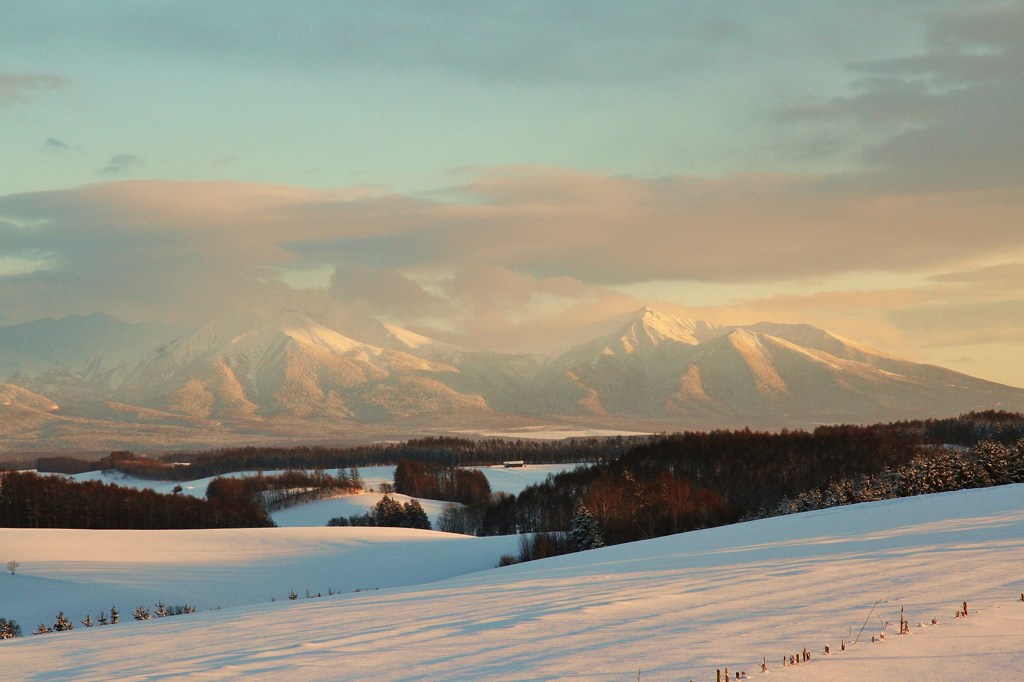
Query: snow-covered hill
{"points": [[318, 513], [674, 608]]}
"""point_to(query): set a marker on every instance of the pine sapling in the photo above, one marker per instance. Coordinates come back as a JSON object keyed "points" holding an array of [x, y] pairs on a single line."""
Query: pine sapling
{"points": [[63, 623]]}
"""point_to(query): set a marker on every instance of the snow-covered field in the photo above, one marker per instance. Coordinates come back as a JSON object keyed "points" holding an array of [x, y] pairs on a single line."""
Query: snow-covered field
{"points": [[674, 608], [318, 513]]}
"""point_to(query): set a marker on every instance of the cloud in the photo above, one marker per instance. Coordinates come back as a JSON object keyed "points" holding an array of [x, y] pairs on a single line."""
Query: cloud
{"points": [[946, 118], [567, 42], [516, 257], [120, 164], [23, 87], [54, 145], [384, 292]]}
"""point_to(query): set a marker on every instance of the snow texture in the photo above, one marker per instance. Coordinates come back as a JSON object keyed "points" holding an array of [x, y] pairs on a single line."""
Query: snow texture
{"points": [[678, 607]]}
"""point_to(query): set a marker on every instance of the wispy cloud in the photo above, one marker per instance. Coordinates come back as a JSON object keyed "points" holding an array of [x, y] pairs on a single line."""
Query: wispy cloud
{"points": [[947, 118], [58, 146], [22, 87], [120, 164]]}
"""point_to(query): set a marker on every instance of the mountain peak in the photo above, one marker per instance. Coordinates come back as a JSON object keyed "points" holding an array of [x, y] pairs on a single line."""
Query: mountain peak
{"points": [[650, 328]]}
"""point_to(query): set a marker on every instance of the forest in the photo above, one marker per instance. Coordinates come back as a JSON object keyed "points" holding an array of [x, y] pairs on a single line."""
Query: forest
{"points": [[448, 451], [28, 500], [632, 488]]}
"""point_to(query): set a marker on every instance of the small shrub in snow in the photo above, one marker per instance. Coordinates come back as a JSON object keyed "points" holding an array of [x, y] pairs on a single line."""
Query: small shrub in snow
{"points": [[542, 545], [142, 613], [9, 629], [179, 609], [62, 624], [41, 630], [12, 566]]}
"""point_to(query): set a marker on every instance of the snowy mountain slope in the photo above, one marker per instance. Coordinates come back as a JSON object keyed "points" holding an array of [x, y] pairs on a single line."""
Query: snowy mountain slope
{"points": [[763, 373], [77, 360], [678, 607], [89, 343], [22, 411], [299, 371], [262, 364], [14, 397]]}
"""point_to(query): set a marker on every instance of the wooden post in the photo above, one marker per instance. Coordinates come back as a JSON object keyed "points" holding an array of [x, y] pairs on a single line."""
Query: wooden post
{"points": [[718, 675], [764, 664], [965, 609], [842, 645], [826, 649]]}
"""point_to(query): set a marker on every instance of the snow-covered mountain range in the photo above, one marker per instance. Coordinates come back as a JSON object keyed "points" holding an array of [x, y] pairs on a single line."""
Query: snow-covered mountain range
{"points": [[309, 374]]}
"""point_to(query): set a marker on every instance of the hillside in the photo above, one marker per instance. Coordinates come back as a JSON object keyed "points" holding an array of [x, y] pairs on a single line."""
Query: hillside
{"points": [[678, 607]]}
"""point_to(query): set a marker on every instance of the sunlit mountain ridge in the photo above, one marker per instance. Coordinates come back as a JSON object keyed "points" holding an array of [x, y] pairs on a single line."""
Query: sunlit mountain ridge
{"points": [[311, 374]]}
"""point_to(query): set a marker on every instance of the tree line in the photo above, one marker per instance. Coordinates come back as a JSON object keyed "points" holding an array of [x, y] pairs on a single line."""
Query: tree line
{"points": [[434, 481], [936, 469], [28, 500], [448, 451]]}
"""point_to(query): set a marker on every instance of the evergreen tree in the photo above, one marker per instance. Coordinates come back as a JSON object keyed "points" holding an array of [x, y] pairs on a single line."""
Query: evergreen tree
{"points": [[63, 623], [9, 629], [102, 620], [142, 613], [415, 516], [115, 617], [88, 622], [584, 532], [388, 512], [41, 630], [161, 610]]}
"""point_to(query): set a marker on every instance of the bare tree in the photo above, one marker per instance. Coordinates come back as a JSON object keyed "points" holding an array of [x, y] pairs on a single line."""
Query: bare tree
{"points": [[12, 566]]}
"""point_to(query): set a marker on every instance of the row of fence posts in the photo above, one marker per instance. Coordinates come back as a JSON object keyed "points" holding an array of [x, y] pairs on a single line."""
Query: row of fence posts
{"points": [[805, 655]]}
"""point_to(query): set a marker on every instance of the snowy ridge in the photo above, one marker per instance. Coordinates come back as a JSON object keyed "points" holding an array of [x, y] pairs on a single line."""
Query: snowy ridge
{"points": [[292, 370]]}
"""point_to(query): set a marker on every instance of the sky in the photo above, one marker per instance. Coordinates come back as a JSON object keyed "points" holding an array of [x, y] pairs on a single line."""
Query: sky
{"points": [[499, 174]]}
